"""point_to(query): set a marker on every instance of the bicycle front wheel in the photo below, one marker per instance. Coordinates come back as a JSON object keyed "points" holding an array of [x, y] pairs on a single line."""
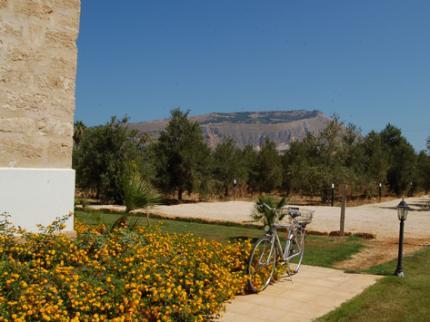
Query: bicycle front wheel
{"points": [[295, 251], [261, 265]]}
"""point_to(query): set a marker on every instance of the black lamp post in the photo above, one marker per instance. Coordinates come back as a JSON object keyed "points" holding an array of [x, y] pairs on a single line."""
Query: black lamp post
{"points": [[402, 214]]}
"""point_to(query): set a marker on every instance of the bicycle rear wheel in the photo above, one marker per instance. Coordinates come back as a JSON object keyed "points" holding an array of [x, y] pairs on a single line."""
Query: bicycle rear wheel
{"points": [[295, 251], [261, 265]]}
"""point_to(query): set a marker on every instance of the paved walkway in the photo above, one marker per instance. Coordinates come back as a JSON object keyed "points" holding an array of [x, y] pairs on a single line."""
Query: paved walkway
{"points": [[310, 294]]}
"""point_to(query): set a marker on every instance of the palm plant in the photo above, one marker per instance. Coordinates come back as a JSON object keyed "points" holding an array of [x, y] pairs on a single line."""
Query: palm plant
{"points": [[268, 209], [138, 193]]}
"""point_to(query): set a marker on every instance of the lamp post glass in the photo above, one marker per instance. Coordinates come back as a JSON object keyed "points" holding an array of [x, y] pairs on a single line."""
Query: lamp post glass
{"points": [[402, 210]]}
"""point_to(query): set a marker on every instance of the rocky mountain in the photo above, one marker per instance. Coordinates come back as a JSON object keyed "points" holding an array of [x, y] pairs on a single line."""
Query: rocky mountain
{"points": [[250, 128]]}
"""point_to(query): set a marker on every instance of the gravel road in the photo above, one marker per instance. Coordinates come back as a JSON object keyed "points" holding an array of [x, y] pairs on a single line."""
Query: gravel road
{"points": [[379, 219]]}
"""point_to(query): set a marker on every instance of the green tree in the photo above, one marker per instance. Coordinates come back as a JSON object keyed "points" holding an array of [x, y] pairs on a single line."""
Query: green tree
{"points": [[401, 157], [310, 166], [267, 172], [423, 171], [249, 160], [352, 150], [375, 163], [335, 155], [329, 142], [78, 132], [102, 157], [228, 165], [182, 155], [296, 159]]}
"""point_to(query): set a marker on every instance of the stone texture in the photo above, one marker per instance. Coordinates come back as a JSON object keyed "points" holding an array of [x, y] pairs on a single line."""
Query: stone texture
{"points": [[38, 57]]}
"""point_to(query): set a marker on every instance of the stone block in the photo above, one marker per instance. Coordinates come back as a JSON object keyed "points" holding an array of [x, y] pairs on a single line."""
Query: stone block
{"points": [[3, 3], [37, 81], [34, 9]]}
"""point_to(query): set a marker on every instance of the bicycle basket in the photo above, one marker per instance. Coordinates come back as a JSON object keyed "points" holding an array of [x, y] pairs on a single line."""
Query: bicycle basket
{"points": [[305, 216]]}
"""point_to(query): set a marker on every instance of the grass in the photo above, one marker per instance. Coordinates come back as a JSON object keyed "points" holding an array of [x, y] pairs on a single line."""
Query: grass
{"points": [[392, 298], [320, 250]]}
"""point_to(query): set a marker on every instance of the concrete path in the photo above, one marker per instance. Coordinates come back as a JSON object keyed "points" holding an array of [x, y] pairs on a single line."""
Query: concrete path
{"points": [[310, 294]]}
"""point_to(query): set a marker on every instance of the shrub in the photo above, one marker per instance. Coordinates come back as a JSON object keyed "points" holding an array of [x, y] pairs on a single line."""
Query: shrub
{"points": [[120, 275], [268, 210]]}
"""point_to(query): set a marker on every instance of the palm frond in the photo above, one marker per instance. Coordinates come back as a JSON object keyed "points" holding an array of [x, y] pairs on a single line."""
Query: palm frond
{"points": [[139, 193], [267, 209]]}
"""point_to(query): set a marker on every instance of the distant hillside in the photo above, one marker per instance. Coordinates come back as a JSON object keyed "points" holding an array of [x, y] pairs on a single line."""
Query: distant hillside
{"points": [[250, 128]]}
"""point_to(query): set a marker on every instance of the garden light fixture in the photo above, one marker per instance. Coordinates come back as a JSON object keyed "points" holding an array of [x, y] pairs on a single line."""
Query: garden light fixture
{"points": [[402, 214], [402, 210]]}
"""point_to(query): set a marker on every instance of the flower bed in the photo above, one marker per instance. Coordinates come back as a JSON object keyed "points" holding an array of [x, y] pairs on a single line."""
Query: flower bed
{"points": [[122, 275]]}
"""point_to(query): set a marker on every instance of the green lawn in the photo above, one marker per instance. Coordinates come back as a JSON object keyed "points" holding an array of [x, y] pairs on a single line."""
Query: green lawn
{"points": [[320, 250], [392, 298]]}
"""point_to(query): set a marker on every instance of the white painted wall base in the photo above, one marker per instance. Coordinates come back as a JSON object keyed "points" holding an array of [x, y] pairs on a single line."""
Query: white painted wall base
{"points": [[37, 196]]}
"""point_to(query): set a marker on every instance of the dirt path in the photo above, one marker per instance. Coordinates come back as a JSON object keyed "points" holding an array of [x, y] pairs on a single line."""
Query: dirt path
{"points": [[380, 251], [379, 219]]}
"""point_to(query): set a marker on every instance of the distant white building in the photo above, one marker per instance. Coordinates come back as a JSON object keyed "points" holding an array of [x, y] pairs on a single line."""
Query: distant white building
{"points": [[37, 99]]}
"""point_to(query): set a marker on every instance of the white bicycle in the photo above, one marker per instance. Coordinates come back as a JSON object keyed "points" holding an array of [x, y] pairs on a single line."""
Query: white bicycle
{"points": [[268, 251]]}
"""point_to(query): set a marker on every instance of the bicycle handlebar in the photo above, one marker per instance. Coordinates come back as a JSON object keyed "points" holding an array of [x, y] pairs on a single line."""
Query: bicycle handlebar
{"points": [[292, 211]]}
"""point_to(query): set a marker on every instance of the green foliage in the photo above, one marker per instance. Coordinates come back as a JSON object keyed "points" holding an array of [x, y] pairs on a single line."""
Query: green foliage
{"points": [[228, 165], [375, 159], [249, 161], [180, 161], [122, 274], [138, 193], [311, 166], [341, 155], [102, 155], [423, 171], [402, 159], [78, 132], [268, 209], [320, 250], [267, 172], [182, 155]]}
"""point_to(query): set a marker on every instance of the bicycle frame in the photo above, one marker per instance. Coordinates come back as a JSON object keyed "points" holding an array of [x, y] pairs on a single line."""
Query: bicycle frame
{"points": [[269, 251], [276, 242]]}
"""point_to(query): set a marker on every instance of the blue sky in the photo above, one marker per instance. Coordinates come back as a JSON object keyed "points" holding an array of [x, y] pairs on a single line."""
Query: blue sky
{"points": [[368, 61]]}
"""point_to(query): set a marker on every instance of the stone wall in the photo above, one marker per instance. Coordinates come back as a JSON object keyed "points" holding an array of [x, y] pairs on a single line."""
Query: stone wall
{"points": [[37, 82]]}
